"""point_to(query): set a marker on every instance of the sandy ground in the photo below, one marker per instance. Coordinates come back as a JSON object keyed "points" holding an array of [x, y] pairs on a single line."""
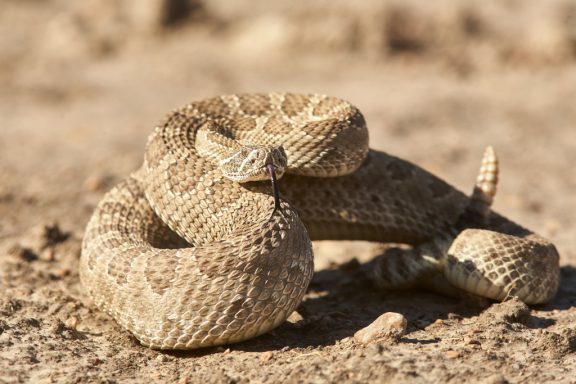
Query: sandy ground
{"points": [[83, 83]]}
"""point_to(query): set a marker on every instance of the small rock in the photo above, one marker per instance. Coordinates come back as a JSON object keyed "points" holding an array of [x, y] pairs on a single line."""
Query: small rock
{"points": [[162, 358], [451, 354], [62, 272], [48, 254], [294, 318], [266, 356], [390, 325], [71, 322], [223, 351]]}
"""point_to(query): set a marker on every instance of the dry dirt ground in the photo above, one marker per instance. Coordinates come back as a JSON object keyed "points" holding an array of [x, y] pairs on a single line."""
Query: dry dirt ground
{"points": [[83, 83]]}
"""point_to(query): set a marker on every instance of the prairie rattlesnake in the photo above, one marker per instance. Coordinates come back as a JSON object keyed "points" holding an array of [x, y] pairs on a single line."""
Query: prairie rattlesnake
{"points": [[184, 257]]}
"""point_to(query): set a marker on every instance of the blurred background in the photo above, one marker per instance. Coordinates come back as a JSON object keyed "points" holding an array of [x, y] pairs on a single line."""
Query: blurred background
{"points": [[82, 84]]}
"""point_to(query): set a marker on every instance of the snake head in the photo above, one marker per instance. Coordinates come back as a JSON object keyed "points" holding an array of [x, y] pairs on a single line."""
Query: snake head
{"points": [[251, 162]]}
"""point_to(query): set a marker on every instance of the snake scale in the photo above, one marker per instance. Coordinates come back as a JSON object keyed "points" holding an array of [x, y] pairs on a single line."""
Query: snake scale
{"points": [[196, 249]]}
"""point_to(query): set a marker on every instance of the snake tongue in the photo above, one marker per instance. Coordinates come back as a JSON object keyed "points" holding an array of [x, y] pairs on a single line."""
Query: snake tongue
{"points": [[275, 191]]}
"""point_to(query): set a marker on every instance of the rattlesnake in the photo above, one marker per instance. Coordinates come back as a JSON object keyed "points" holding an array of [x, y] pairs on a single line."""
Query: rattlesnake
{"points": [[184, 257]]}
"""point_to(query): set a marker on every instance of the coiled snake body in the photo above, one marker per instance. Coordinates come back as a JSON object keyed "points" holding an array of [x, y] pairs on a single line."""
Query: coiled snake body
{"points": [[193, 249]]}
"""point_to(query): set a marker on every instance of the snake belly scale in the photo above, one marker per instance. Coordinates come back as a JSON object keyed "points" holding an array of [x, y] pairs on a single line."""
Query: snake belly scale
{"points": [[184, 253]]}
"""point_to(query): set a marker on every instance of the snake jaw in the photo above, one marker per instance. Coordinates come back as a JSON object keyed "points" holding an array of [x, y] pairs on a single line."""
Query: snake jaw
{"points": [[272, 171]]}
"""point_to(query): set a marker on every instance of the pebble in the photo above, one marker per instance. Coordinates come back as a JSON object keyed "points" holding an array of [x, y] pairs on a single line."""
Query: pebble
{"points": [[390, 325], [48, 254], [450, 354], [294, 318], [63, 272], [71, 322], [266, 356], [223, 350], [162, 358]]}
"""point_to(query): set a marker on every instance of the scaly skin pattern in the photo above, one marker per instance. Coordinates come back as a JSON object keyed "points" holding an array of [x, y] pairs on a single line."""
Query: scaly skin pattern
{"points": [[184, 257]]}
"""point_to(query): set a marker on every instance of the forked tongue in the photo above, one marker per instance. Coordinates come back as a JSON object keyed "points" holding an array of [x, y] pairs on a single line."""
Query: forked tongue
{"points": [[275, 190]]}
